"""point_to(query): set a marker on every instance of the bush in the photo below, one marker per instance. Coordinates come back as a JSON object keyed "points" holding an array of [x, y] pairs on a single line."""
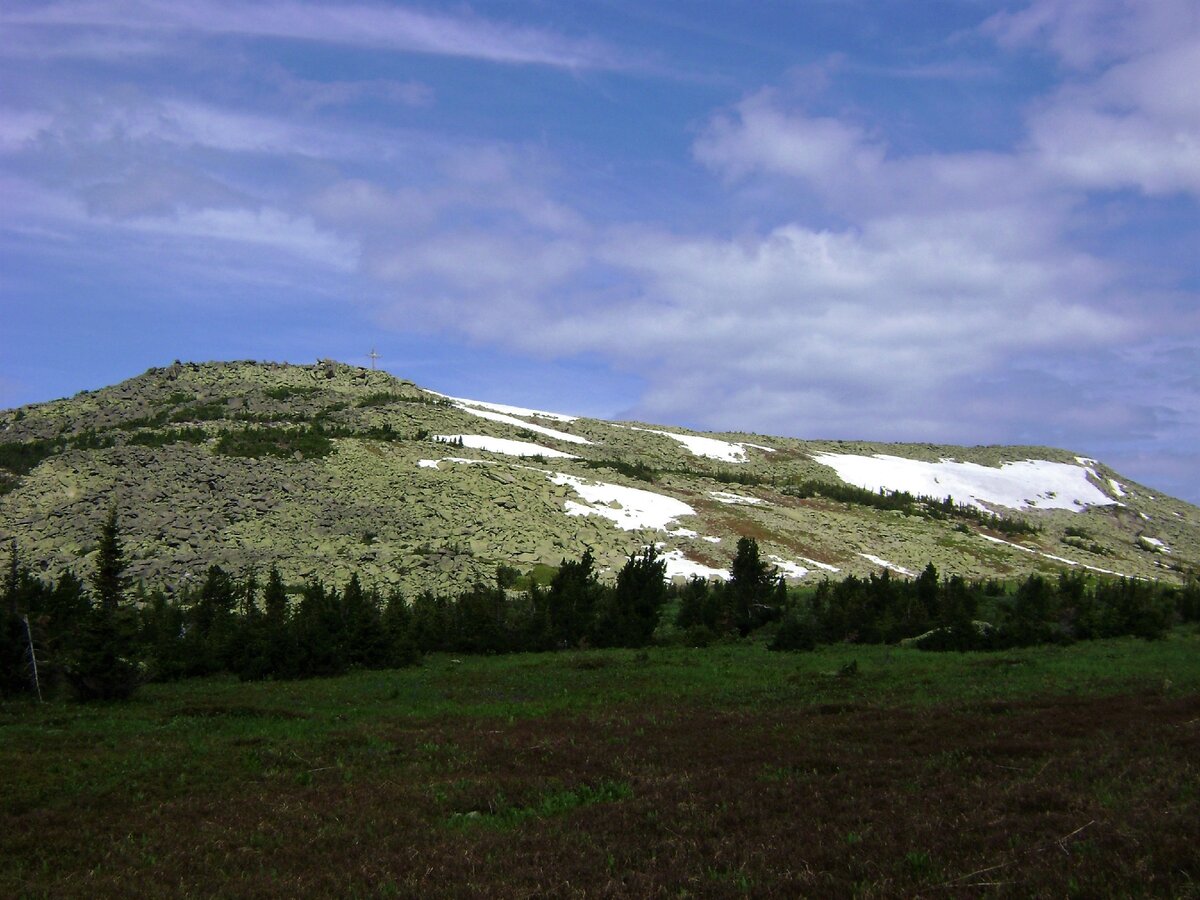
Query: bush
{"points": [[796, 632], [283, 443]]}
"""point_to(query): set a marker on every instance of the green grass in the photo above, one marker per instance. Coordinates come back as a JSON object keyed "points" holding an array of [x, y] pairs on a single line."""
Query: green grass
{"points": [[548, 773]]}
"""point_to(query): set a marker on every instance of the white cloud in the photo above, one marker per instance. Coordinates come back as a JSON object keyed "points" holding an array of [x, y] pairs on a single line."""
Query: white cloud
{"points": [[758, 134], [1129, 115], [272, 228], [19, 127], [389, 27]]}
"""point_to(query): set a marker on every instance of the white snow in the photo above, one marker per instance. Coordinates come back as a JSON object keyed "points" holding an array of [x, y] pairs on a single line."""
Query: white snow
{"points": [[433, 463], [709, 447], [788, 568], [711, 539], [1033, 483], [684, 532], [1118, 488], [888, 565], [820, 565], [628, 508], [679, 566], [520, 423], [1155, 543], [502, 445], [726, 497], [996, 540], [1061, 559], [505, 408], [1085, 460]]}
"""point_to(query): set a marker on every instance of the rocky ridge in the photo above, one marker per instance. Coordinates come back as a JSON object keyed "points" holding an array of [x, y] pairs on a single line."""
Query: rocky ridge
{"points": [[328, 469]]}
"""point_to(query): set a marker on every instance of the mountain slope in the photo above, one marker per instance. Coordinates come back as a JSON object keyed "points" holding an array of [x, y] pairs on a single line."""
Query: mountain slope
{"points": [[327, 469]]}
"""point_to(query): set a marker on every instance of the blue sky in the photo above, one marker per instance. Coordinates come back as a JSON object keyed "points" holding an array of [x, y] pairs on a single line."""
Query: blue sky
{"points": [[963, 222]]}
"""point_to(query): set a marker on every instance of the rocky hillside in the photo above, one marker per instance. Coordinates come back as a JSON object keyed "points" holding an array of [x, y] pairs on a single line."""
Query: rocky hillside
{"points": [[329, 469]]}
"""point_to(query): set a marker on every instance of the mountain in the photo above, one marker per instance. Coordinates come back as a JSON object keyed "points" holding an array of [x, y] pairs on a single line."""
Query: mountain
{"points": [[330, 469]]}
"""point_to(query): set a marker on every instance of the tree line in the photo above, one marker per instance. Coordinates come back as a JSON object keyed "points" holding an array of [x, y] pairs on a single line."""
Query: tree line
{"points": [[932, 613], [102, 639]]}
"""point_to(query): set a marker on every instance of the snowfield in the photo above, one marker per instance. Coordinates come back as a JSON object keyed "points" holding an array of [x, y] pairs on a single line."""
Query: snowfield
{"points": [[628, 508], [433, 463], [888, 565], [726, 497], [1061, 559], [502, 445], [679, 566], [520, 423], [1031, 484], [710, 448], [506, 409], [787, 568]]}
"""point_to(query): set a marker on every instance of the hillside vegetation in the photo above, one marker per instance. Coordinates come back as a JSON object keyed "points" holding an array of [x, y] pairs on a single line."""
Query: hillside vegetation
{"points": [[328, 470]]}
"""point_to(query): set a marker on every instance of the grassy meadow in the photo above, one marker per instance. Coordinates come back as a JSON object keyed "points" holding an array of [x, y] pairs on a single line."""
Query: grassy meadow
{"points": [[864, 771]]}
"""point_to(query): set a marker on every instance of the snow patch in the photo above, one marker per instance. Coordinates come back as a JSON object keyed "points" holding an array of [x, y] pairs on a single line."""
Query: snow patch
{"points": [[726, 497], [788, 568], [506, 409], [433, 463], [628, 508], [520, 423], [1061, 559], [888, 565], [711, 539], [1154, 543], [996, 540], [708, 447], [1118, 488], [679, 566], [1033, 483], [820, 565], [502, 445]]}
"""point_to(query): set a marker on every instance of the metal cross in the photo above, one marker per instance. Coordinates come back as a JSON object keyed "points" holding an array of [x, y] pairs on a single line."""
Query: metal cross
{"points": [[374, 356]]}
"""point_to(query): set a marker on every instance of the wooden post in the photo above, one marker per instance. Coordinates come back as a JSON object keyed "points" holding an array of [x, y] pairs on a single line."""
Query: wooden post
{"points": [[37, 683]]}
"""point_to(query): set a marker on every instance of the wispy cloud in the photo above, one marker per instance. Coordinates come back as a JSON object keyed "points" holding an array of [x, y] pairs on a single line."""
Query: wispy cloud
{"points": [[387, 27]]}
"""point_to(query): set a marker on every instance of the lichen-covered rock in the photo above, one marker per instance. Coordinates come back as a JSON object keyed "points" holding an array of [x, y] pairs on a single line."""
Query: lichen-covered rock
{"points": [[373, 494]]}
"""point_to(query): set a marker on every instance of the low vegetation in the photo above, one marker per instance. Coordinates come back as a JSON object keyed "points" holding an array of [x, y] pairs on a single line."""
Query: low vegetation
{"points": [[266, 440], [670, 771], [911, 505], [651, 768]]}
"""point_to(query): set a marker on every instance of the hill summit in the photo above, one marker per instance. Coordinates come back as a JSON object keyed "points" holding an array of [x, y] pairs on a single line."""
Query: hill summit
{"points": [[327, 469]]}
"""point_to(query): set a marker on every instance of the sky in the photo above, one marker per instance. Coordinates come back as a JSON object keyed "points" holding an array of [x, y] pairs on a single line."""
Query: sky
{"points": [[960, 222]]}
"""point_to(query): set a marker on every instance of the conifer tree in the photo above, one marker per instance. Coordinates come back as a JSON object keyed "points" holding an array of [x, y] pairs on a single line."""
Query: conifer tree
{"points": [[364, 638], [750, 589], [12, 647], [109, 581], [631, 614], [402, 650], [101, 663], [279, 643], [572, 600]]}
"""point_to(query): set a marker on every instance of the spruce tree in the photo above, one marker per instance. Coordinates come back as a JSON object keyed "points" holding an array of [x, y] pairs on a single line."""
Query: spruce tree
{"points": [[572, 600], [101, 662], [12, 647], [109, 581], [280, 646], [631, 615], [751, 587]]}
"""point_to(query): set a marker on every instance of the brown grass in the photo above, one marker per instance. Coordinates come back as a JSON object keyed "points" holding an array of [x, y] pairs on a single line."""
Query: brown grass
{"points": [[1095, 798]]}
